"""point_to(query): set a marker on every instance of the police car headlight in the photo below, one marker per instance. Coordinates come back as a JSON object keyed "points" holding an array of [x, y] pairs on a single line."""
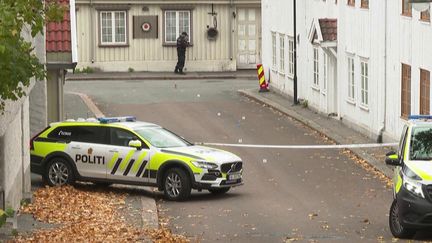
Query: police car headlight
{"points": [[411, 182], [413, 187], [204, 164]]}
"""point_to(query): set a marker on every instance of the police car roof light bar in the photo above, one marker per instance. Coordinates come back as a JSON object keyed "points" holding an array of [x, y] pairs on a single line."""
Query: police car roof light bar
{"points": [[418, 117], [105, 120]]}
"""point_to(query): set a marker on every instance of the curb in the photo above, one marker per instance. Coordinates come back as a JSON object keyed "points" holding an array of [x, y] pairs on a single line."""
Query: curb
{"points": [[335, 137], [166, 77]]}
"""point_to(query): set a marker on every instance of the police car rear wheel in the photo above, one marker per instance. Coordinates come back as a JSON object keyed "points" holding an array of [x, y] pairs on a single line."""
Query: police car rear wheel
{"points": [[177, 185], [219, 190], [397, 229], [59, 172]]}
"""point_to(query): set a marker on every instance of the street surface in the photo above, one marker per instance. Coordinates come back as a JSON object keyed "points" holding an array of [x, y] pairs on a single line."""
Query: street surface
{"points": [[306, 195]]}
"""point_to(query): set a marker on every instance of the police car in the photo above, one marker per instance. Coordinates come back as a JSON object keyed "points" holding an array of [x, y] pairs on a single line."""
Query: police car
{"points": [[123, 150], [412, 205]]}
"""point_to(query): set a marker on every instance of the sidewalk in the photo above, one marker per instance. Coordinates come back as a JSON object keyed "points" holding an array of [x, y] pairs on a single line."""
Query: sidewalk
{"points": [[332, 128], [240, 74]]}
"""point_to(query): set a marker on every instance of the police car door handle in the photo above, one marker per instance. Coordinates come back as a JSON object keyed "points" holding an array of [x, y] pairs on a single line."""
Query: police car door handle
{"points": [[114, 150], [76, 147]]}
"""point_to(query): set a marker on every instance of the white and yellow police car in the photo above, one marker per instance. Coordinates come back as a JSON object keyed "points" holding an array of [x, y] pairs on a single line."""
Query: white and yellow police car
{"points": [[411, 209], [123, 150]]}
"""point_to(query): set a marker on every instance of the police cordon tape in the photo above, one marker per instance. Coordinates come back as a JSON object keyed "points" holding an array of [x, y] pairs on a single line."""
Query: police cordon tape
{"points": [[330, 146]]}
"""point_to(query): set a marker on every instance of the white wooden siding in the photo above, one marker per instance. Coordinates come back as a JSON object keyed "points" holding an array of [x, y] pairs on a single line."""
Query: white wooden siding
{"points": [[150, 54]]}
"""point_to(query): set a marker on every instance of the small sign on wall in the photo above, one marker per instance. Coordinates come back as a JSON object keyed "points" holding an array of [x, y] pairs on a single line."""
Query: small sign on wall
{"points": [[145, 27]]}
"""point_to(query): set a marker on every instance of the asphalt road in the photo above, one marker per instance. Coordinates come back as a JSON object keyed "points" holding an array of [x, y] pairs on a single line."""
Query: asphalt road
{"points": [[305, 195]]}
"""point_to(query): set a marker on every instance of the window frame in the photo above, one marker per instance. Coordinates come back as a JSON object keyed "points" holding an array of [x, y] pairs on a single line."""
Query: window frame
{"points": [[325, 72], [405, 90], [364, 4], [177, 18], [113, 43], [424, 92], [364, 83], [351, 78], [425, 15], [290, 56], [406, 8], [316, 75], [281, 53], [274, 51]]}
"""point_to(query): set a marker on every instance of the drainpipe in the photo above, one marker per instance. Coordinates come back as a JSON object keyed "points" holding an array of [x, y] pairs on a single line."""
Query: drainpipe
{"points": [[295, 51], [383, 126], [92, 34], [231, 29]]}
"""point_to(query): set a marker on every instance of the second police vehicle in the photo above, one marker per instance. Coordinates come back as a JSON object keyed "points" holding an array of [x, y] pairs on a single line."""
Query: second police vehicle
{"points": [[411, 209], [123, 150]]}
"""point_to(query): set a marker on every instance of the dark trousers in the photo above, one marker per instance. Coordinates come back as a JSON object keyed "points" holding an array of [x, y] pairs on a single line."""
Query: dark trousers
{"points": [[181, 55]]}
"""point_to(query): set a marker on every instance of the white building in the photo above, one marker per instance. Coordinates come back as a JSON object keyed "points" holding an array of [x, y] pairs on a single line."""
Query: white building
{"points": [[359, 61]]}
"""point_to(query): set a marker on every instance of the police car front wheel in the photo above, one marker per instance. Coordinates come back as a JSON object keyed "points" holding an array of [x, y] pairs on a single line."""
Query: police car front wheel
{"points": [[397, 229], [177, 186], [59, 172]]}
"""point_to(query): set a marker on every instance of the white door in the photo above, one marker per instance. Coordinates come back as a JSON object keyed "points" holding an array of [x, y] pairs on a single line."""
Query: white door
{"points": [[126, 163], [248, 37]]}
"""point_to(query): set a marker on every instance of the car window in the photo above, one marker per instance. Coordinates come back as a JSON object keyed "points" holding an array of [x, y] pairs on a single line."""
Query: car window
{"points": [[65, 133], [92, 134], [421, 143], [86, 134], [161, 138], [121, 137]]}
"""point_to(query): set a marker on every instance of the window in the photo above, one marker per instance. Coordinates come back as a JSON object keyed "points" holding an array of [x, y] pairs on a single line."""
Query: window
{"points": [[364, 4], [274, 50], [364, 83], [290, 57], [120, 137], [406, 91], [351, 84], [406, 8], [325, 72], [316, 67], [351, 2], [425, 16], [113, 28], [282, 53], [176, 22], [424, 92]]}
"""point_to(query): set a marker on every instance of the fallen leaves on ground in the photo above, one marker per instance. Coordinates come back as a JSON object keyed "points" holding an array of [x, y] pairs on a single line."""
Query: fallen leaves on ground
{"points": [[84, 214]]}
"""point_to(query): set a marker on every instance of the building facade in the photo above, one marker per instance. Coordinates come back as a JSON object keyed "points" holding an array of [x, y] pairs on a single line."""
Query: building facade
{"points": [[355, 59], [141, 35]]}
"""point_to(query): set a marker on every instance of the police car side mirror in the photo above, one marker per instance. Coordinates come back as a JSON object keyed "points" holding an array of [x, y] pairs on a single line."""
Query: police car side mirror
{"points": [[392, 159], [135, 144]]}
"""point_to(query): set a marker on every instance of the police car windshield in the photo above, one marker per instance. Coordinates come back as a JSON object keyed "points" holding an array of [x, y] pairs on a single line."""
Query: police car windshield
{"points": [[421, 143], [161, 138]]}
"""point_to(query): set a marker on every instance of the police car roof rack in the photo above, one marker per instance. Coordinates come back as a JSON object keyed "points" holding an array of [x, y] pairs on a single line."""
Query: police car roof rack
{"points": [[420, 117], [106, 120]]}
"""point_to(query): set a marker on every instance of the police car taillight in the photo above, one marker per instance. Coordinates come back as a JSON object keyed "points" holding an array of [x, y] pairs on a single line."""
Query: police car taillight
{"points": [[34, 137], [117, 119]]}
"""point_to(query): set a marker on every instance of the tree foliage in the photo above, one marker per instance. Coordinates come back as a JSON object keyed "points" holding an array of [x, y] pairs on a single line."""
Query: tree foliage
{"points": [[18, 62]]}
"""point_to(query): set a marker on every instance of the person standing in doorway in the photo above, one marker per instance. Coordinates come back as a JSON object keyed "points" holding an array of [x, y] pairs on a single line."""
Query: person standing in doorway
{"points": [[182, 43]]}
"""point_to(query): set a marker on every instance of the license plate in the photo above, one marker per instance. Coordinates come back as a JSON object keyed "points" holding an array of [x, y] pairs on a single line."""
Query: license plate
{"points": [[233, 177]]}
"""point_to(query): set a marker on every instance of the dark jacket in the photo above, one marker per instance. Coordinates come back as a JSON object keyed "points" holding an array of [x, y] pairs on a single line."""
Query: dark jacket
{"points": [[182, 42]]}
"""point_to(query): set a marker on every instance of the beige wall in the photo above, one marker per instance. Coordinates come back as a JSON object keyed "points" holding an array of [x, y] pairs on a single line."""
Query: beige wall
{"points": [[150, 54]]}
